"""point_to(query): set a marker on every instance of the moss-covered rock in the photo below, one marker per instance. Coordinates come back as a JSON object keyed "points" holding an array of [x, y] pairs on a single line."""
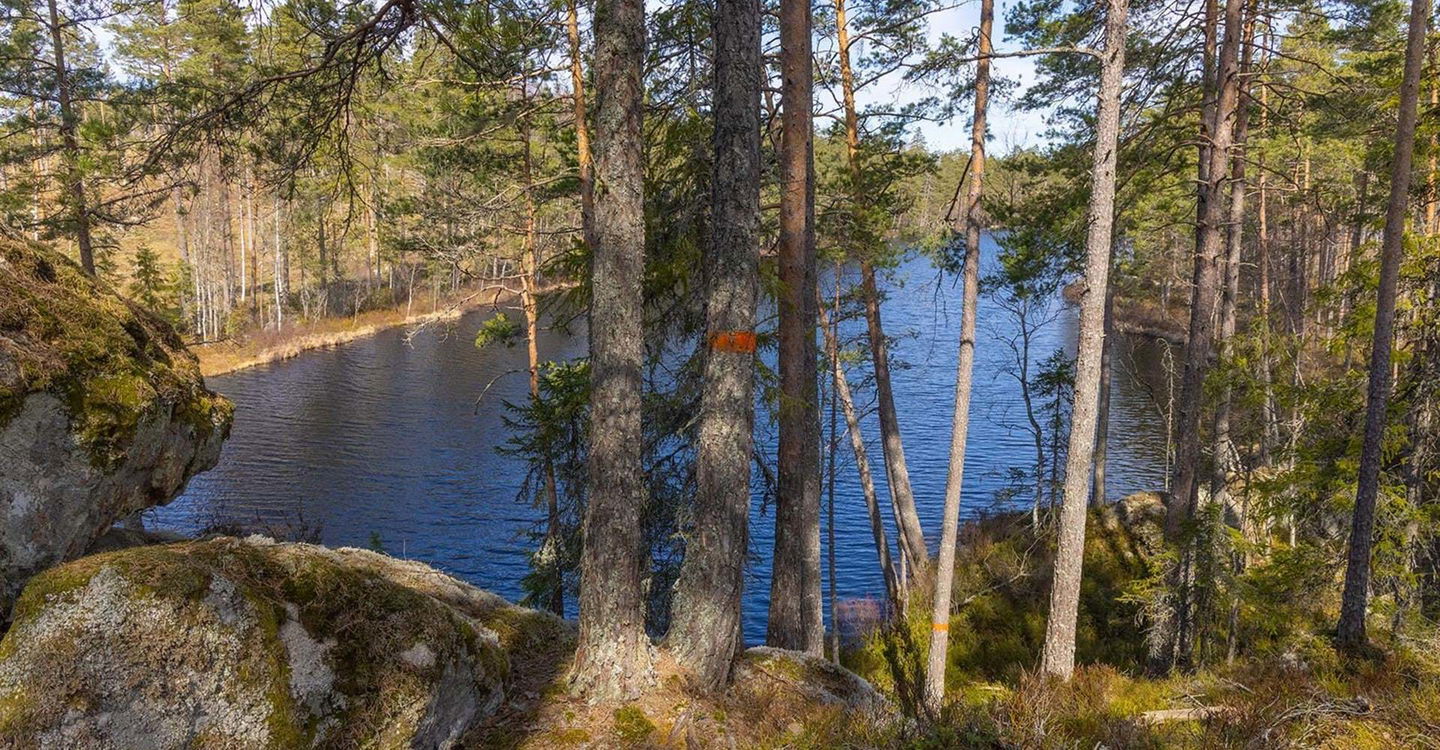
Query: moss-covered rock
{"points": [[254, 644], [102, 411], [806, 679]]}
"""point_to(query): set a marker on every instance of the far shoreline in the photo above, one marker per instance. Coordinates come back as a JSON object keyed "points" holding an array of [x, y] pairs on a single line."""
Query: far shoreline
{"points": [[268, 346]]}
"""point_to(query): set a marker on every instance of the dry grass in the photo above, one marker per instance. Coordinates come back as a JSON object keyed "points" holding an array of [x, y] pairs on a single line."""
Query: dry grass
{"points": [[264, 347]]}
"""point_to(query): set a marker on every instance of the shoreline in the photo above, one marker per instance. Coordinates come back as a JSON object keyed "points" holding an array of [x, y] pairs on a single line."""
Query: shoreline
{"points": [[266, 347], [1137, 317]]}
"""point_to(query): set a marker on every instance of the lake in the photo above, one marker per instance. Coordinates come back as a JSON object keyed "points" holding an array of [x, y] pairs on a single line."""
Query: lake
{"points": [[381, 439]]}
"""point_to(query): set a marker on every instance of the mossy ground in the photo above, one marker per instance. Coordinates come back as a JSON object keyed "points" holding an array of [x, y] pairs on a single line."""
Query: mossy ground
{"points": [[1287, 688], [111, 362]]}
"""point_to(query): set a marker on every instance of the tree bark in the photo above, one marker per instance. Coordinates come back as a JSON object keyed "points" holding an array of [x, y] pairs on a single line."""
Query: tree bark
{"points": [[70, 144], [613, 657], [1350, 631], [582, 128], [862, 464], [934, 692], [1058, 656], [897, 474], [530, 306], [1226, 459], [1102, 414], [705, 633], [796, 618]]}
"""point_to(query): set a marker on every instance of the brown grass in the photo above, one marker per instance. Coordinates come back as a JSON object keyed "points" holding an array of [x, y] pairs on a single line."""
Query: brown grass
{"points": [[269, 345]]}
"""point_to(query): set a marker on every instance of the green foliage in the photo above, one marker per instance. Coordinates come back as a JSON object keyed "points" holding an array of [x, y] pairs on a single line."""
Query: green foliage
{"points": [[498, 329]]}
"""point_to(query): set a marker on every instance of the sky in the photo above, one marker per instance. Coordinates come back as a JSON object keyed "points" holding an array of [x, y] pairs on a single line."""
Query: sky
{"points": [[1009, 128]]}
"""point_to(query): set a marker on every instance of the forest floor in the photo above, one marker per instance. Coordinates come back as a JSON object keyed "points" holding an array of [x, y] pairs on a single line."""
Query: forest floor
{"points": [[269, 345]]}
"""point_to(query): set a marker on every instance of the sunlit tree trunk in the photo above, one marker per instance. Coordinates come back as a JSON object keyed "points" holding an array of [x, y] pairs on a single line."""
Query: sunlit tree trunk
{"points": [[705, 631], [796, 615], [1269, 412], [1218, 131], [1058, 656], [862, 462], [613, 656], [1102, 415], [1350, 631], [934, 694], [897, 474], [582, 128], [530, 306], [1226, 459]]}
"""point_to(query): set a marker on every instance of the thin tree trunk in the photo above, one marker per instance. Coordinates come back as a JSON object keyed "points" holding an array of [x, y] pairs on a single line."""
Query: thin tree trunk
{"points": [[1432, 179], [1058, 656], [1218, 131], [796, 617], [1226, 459], [862, 463], [934, 694], [70, 144], [1270, 413], [281, 269], [613, 656], [582, 128], [530, 305], [705, 632], [254, 247], [897, 474], [1350, 631], [1102, 414]]}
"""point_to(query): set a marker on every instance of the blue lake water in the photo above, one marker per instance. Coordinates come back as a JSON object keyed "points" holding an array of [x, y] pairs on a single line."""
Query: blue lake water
{"points": [[382, 438]]}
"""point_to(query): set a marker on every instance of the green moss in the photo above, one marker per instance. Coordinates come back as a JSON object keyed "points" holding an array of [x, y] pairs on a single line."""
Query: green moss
{"points": [[367, 620], [632, 725], [15, 710], [109, 361], [1002, 580]]}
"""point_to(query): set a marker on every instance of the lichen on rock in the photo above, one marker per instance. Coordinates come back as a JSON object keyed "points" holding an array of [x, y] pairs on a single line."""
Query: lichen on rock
{"points": [[246, 644], [103, 412]]}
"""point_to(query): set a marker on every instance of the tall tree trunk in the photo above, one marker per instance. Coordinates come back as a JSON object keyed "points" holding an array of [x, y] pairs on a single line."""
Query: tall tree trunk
{"points": [[530, 305], [934, 694], [796, 618], [1351, 629], [897, 474], [705, 631], [282, 268], [1270, 412], [1432, 175], [70, 144], [1218, 132], [1102, 414], [582, 128], [1226, 459], [613, 656], [862, 461], [1058, 656], [254, 246]]}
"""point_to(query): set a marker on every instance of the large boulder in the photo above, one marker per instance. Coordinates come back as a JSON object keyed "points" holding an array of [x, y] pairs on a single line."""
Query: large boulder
{"points": [[103, 412], [255, 644]]}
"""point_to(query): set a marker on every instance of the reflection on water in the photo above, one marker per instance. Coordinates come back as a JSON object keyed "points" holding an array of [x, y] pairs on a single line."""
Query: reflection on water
{"points": [[381, 438]]}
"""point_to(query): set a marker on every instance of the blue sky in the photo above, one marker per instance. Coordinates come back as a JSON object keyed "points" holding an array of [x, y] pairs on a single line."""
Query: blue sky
{"points": [[1009, 128]]}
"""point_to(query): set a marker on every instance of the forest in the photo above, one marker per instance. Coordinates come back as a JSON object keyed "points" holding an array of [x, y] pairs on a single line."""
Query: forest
{"points": [[1205, 233]]}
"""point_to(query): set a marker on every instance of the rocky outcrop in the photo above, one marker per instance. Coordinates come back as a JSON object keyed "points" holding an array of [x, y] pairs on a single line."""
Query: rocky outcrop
{"points": [[102, 412], [807, 679], [255, 644]]}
